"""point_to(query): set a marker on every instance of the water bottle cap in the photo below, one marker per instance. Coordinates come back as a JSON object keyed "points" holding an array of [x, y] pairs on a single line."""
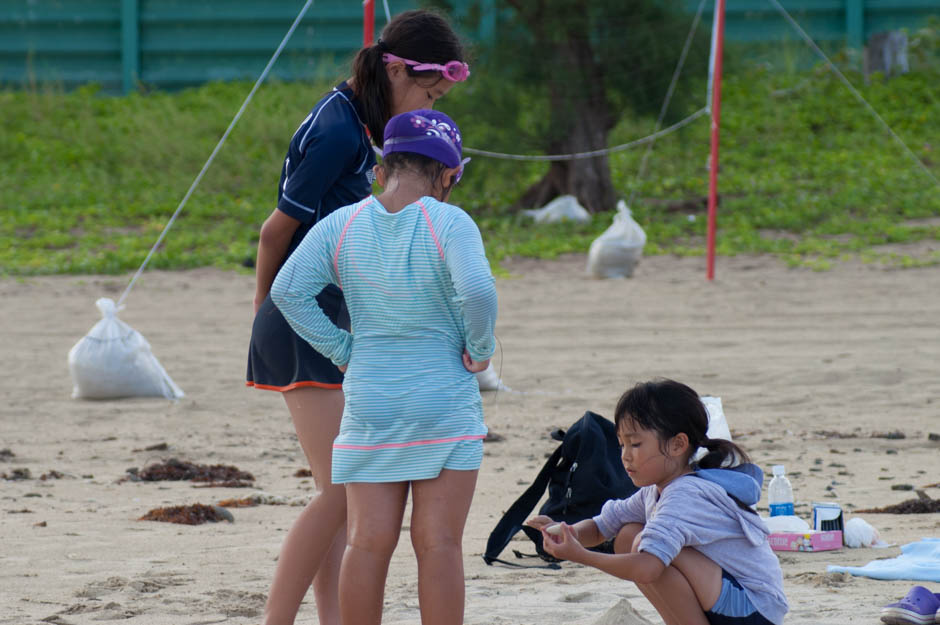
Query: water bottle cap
{"points": [[778, 469]]}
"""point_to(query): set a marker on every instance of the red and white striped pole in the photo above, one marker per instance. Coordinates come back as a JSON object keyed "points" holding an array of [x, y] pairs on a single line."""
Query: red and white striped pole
{"points": [[718, 41], [368, 22]]}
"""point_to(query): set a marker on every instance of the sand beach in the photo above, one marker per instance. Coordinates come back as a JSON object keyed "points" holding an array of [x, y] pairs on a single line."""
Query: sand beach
{"points": [[835, 374]]}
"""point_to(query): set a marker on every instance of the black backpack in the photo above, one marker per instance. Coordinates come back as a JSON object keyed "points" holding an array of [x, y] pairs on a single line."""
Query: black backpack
{"points": [[581, 475]]}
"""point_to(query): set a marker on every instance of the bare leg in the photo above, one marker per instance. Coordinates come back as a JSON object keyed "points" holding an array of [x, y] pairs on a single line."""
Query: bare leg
{"points": [[438, 516], [624, 541], [374, 525], [326, 581], [689, 585], [310, 551]]}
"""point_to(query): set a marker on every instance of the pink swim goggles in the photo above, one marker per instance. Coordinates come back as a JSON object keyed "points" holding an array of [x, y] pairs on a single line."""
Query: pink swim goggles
{"points": [[454, 71]]}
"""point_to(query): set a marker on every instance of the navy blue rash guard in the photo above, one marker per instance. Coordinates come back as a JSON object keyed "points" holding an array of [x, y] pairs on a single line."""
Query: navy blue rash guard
{"points": [[329, 163]]}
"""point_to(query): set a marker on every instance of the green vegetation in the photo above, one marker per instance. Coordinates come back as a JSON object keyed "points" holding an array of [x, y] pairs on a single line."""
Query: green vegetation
{"points": [[89, 181], [574, 63]]}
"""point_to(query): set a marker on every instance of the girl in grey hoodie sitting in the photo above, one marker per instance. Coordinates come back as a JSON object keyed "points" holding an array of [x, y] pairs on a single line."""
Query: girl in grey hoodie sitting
{"points": [[688, 538]]}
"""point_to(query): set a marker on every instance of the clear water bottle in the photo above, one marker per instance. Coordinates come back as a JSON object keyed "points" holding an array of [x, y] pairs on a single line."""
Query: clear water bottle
{"points": [[780, 493]]}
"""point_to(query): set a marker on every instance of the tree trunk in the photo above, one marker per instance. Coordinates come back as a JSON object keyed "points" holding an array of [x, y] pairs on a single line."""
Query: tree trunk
{"points": [[580, 121], [588, 179]]}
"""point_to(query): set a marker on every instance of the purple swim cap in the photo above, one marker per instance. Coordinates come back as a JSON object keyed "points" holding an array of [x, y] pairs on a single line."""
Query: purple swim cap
{"points": [[426, 132]]}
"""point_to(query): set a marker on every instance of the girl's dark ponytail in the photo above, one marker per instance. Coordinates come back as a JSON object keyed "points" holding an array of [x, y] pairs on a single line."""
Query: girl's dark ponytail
{"points": [[668, 407], [721, 453], [375, 99], [418, 35], [724, 453]]}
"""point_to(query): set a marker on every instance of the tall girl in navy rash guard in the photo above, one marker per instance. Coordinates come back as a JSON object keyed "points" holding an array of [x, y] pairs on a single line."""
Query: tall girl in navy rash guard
{"points": [[688, 538], [329, 163]]}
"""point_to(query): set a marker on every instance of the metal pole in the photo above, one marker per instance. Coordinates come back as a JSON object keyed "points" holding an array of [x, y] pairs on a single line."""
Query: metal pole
{"points": [[855, 23], [368, 22], [130, 45], [488, 20], [716, 124]]}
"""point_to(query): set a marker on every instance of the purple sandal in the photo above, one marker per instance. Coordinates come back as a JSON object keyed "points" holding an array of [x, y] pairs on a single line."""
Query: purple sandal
{"points": [[918, 607]]}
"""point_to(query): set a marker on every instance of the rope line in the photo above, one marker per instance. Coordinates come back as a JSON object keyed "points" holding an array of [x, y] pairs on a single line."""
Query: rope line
{"points": [[593, 153], [519, 157], [218, 146], [641, 172], [648, 140], [853, 90]]}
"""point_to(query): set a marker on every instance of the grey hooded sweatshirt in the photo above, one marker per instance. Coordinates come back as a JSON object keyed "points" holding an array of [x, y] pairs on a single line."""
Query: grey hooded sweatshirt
{"points": [[697, 510]]}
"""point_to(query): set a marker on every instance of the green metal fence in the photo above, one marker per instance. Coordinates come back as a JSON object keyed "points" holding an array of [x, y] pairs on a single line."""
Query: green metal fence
{"points": [[833, 22], [172, 43]]}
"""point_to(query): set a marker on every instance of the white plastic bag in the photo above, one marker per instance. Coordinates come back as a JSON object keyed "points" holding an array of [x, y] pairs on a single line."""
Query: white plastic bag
{"points": [[615, 253], [859, 533], [717, 423], [785, 523], [563, 207], [113, 360], [489, 380]]}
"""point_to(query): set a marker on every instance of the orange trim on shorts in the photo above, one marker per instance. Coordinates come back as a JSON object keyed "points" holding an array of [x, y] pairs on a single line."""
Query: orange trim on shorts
{"points": [[290, 387]]}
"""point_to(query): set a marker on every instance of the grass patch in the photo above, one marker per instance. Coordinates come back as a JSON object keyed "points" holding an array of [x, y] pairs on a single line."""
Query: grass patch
{"points": [[807, 174]]}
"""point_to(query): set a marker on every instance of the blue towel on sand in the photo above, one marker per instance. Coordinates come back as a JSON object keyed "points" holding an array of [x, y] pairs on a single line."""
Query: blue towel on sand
{"points": [[918, 561]]}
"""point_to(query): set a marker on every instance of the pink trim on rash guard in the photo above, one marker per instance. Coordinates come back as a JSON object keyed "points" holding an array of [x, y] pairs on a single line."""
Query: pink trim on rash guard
{"points": [[342, 236], [453, 439], [427, 218]]}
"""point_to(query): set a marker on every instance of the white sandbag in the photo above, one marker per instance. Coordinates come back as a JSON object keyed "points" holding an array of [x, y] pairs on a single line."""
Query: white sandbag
{"points": [[563, 207], [489, 380], [113, 360], [615, 253]]}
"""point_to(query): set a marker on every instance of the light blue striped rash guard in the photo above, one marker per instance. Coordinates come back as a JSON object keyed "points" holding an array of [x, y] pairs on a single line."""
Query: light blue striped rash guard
{"points": [[419, 291]]}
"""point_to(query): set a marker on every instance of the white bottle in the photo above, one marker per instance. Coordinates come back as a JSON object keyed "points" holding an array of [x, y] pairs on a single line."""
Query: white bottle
{"points": [[780, 493]]}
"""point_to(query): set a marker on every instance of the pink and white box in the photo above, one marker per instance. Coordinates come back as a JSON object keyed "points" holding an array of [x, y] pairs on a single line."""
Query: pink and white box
{"points": [[806, 541]]}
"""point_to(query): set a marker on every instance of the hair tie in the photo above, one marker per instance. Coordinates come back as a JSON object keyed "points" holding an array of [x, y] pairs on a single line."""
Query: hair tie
{"points": [[381, 45]]}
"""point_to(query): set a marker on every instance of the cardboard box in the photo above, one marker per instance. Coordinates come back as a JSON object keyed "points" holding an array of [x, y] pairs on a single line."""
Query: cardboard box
{"points": [[806, 541], [827, 516]]}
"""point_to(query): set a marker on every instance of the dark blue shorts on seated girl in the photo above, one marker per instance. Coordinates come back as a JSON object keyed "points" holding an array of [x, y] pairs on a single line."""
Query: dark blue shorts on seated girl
{"points": [[733, 607]]}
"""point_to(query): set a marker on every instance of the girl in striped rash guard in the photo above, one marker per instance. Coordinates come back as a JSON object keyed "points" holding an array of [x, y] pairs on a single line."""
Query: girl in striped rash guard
{"points": [[422, 305]]}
